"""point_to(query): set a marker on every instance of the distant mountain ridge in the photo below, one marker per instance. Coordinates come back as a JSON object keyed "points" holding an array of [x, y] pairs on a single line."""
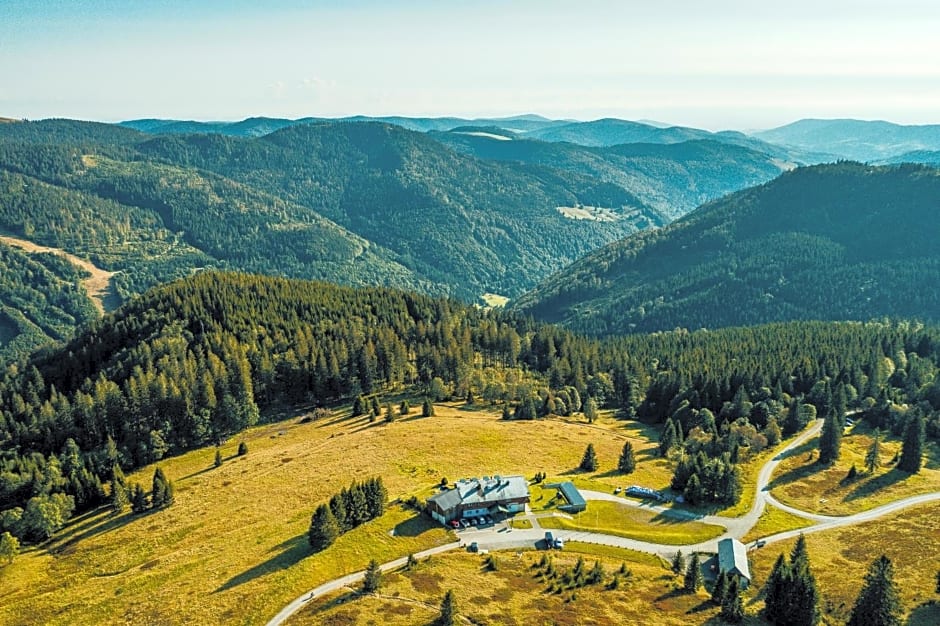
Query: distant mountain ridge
{"points": [[855, 139], [841, 242]]}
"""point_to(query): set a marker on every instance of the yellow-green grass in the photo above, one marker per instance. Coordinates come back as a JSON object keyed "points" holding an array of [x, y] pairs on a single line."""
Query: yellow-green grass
{"points": [[802, 483], [839, 559], [233, 545], [621, 520], [521, 523], [774, 520], [613, 552], [514, 594], [494, 299]]}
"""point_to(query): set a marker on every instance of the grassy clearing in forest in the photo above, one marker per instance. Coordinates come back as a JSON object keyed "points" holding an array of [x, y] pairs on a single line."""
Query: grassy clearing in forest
{"points": [[802, 483], [233, 546]]}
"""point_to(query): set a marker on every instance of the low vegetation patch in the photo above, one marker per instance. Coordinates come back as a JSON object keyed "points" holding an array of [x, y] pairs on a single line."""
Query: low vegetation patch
{"points": [[772, 521], [521, 592], [803, 483], [626, 521]]}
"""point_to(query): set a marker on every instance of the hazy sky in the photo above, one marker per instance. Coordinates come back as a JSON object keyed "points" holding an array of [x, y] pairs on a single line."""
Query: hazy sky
{"points": [[707, 63]]}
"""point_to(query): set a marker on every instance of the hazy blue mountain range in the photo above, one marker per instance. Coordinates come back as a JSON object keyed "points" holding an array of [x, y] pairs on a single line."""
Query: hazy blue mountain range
{"points": [[842, 242], [855, 139]]}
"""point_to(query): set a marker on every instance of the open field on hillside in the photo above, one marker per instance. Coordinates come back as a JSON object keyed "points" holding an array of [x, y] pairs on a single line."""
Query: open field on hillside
{"points": [[626, 521], [839, 559], [98, 283], [234, 546], [802, 483], [514, 594], [772, 521]]}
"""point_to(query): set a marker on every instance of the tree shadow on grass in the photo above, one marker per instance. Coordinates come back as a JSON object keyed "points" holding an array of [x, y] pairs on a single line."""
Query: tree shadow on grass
{"points": [[86, 526], [867, 488], [704, 605], [926, 614], [414, 526], [679, 516], [795, 474], [289, 553]]}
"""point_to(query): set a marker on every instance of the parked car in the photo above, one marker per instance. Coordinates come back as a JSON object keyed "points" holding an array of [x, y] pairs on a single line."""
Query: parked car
{"points": [[549, 541], [473, 547], [489, 519], [465, 523], [454, 523], [617, 490], [559, 544]]}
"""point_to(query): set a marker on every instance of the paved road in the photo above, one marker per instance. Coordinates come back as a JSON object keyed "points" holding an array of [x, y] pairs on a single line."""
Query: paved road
{"points": [[350, 579], [500, 537]]}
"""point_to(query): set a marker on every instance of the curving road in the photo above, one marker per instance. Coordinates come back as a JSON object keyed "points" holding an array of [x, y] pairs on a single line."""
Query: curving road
{"points": [[501, 537]]}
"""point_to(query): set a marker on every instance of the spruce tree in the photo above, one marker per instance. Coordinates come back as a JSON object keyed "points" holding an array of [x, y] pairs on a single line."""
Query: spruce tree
{"points": [[777, 591], [448, 615], [373, 578], [323, 529], [427, 408], [802, 601], [242, 448], [678, 562], [119, 495], [879, 601], [507, 413], [830, 441], [794, 421], [693, 575], [338, 509], [627, 462], [874, 452], [404, 408], [589, 460], [139, 502], [359, 406], [668, 439], [162, 494], [912, 446], [720, 589], [732, 608], [218, 456], [389, 413]]}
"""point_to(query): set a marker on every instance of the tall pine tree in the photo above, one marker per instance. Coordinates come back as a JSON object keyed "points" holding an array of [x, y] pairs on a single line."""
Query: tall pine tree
{"points": [[589, 460], [912, 447], [879, 602], [627, 462], [830, 440], [693, 575], [323, 529]]}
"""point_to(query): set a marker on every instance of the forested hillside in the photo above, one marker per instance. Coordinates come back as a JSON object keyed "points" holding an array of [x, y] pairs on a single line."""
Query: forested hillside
{"points": [[356, 202], [840, 242], [196, 361], [673, 178], [40, 299]]}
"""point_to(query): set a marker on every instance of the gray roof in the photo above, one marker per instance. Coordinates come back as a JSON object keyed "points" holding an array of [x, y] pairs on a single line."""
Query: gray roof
{"points": [[732, 557], [482, 491], [571, 494]]}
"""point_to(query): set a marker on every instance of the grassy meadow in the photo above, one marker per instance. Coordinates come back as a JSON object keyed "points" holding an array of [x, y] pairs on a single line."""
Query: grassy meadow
{"points": [[233, 549], [517, 593], [839, 559], [627, 521], [801, 482]]}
